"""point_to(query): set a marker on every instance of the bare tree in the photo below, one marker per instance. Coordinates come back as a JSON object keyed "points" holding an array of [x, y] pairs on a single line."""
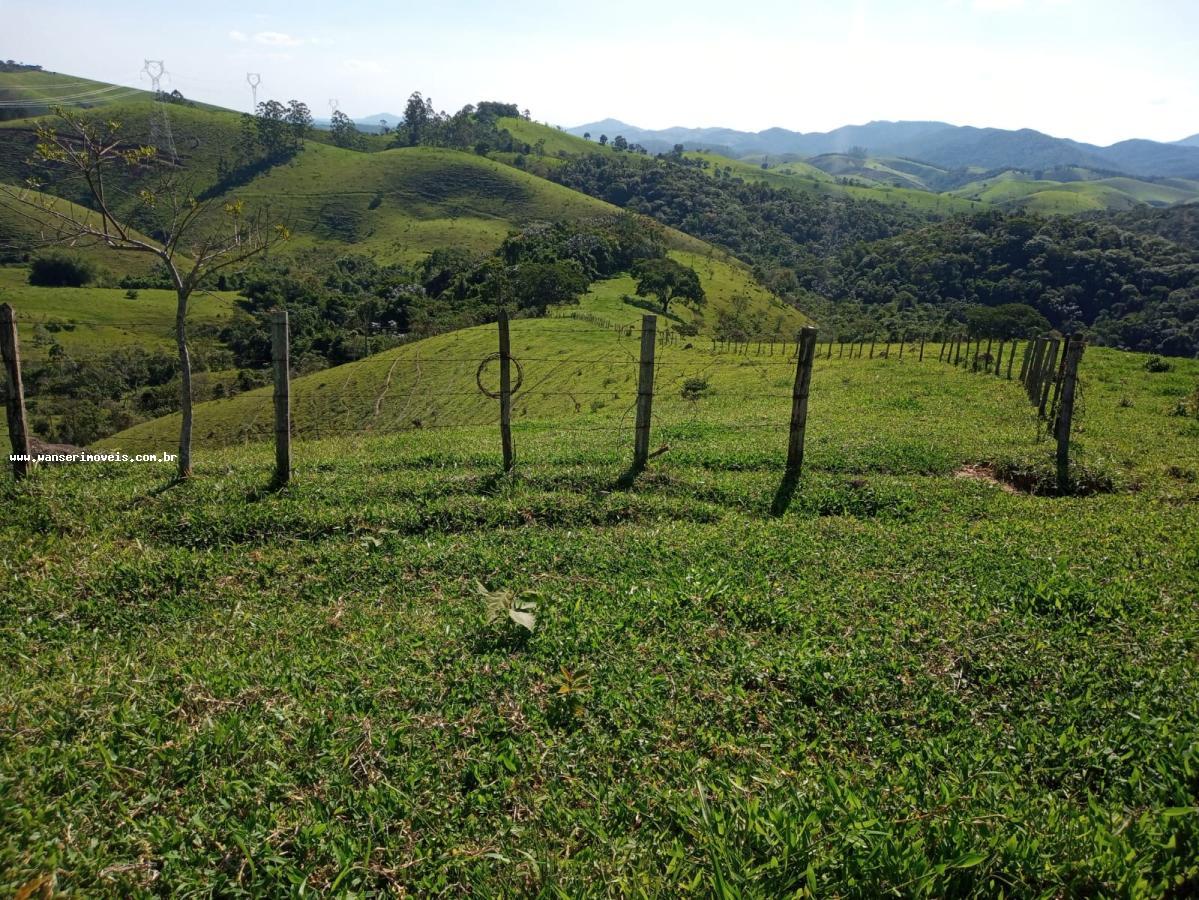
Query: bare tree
{"points": [[193, 238]]}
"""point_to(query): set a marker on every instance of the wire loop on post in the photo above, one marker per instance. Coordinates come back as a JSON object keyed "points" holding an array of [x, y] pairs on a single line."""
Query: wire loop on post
{"points": [[495, 357]]}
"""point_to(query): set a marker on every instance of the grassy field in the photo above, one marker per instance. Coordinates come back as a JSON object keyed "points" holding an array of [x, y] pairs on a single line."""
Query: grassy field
{"points": [[27, 231], [807, 178], [908, 682], [41, 90], [91, 319], [433, 382], [399, 204], [1012, 190]]}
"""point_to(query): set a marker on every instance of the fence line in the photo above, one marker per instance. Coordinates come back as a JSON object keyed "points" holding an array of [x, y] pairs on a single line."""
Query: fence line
{"points": [[1048, 378]]}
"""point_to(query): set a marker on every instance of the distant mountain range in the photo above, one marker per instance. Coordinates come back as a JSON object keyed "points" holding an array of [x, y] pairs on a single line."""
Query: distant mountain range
{"points": [[369, 124], [949, 146]]}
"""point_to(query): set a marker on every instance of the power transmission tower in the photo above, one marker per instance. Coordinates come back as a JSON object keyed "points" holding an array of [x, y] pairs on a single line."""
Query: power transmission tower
{"points": [[253, 79], [160, 122], [155, 69]]}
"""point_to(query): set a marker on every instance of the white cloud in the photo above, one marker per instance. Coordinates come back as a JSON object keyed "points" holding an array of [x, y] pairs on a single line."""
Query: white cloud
{"points": [[239, 36], [277, 39]]}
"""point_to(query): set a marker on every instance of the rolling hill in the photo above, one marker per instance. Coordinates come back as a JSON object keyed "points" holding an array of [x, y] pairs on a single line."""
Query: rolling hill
{"points": [[431, 383], [32, 92]]}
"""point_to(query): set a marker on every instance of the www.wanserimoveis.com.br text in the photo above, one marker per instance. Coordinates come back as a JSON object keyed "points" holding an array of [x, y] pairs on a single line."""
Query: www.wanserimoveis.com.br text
{"points": [[92, 457]]}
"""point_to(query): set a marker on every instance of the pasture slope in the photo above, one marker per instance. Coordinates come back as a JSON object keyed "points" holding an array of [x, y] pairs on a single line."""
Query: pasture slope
{"points": [[570, 364], [907, 679]]}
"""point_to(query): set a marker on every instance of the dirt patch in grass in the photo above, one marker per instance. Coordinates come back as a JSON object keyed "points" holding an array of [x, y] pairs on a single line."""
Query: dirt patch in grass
{"points": [[979, 472]]}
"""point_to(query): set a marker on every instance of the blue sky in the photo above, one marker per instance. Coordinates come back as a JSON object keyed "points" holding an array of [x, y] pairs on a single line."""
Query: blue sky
{"points": [[1093, 70]]}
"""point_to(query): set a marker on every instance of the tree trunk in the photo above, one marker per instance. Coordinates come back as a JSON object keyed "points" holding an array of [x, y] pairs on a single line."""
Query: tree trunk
{"points": [[185, 387]]}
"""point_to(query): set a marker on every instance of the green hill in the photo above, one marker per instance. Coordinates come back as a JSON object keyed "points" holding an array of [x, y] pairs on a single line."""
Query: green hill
{"points": [[397, 388], [1018, 190], [26, 230], [38, 91], [402, 203]]}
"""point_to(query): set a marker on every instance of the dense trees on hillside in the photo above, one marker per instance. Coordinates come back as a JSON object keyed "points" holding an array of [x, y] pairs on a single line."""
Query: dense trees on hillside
{"points": [[1179, 224], [472, 128], [767, 226], [1126, 289], [339, 306], [889, 270]]}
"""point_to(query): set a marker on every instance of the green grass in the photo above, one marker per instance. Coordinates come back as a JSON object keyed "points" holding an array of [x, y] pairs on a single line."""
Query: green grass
{"points": [[432, 382], [556, 142], [42, 90], [1013, 190], [103, 319], [809, 179], [909, 683], [27, 231], [427, 198]]}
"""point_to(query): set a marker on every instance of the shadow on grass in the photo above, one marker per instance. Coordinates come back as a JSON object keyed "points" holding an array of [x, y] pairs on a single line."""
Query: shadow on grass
{"points": [[274, 486], [651, 307], [628, 478], [782, 497]]}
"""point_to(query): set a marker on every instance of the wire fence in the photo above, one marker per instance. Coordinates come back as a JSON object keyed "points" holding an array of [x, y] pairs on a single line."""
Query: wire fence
{"points": [[577, 374]]}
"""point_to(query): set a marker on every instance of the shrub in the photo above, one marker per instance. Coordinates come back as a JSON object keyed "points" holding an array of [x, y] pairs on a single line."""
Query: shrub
{"points": [[694, 388], [57, 269], [1157, 364], [131, 294]]}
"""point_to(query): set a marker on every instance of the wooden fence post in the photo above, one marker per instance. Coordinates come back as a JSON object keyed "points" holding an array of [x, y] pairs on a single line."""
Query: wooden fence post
{"points": [[1011, 358], [921, 359], [1034, 365], [987, 358], [799, 400], [281, 364], [506, 393], [956, 353], [18, 426], [645, 391], [1065, 413], [941, 351], [902, 340], [1025, 360], [1048, 371]]}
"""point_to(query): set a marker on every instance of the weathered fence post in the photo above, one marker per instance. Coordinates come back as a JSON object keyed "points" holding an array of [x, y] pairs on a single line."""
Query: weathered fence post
{"points": [[999, 359], [1011, 357], [987, 358], [841, 350], [903, 339], [281, 364], [941, 351], [645, 391], [1065, 413], [799, 400], [18, 426], [1034, 366], [1047, 375], [1025, 361], [957, 352], [506, 393], [921, 359]]}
